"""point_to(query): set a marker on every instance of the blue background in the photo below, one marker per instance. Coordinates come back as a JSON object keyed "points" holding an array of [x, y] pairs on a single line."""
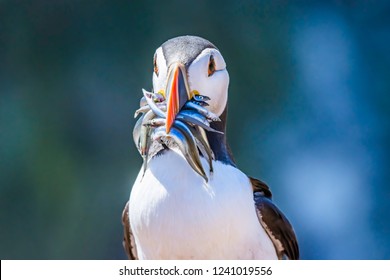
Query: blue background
{"points": [[308, 113]]}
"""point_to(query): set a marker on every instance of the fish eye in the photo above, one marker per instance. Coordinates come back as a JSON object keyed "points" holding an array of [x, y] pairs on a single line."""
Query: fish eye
{"points": [[211, 68]]}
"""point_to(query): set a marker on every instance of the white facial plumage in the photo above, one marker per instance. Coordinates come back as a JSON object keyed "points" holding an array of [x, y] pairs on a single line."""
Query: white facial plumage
{"points": [[215, 86]]}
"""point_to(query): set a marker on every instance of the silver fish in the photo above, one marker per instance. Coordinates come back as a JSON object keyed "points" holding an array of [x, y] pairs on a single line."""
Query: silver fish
{"points": [[203, 145], [144, 109], [195, 118], [188, 148], [142, 102], [187, 131], [156, 122], [200, 103], [193, 150], [201, 110], [153, 106], [197, 133], [145, 131]]}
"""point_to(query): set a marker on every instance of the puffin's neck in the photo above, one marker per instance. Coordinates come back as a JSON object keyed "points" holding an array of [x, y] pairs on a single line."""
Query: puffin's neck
{"points": [[218, 142]]}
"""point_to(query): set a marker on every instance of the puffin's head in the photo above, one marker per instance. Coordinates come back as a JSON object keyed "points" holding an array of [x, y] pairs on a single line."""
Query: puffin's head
{"points": [[189, 65]]}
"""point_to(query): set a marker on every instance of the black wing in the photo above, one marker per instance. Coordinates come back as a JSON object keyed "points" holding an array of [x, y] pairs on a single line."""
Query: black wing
{"points": [[128, 239], [274, 222]]}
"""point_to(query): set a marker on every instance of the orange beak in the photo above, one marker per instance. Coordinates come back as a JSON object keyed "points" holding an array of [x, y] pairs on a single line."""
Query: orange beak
{"points": [[177, 92]]}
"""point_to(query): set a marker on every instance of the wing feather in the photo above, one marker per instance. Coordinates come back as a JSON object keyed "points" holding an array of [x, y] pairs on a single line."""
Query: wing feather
{"points": [[128, 238], [274, 222]]}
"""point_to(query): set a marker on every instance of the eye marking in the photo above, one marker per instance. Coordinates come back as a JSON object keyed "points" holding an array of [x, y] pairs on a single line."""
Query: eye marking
{"points": [[155, 67], [211, 68]]}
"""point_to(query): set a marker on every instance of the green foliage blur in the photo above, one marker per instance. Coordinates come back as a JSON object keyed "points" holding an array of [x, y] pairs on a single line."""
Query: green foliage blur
{"points": [[71, 74]]}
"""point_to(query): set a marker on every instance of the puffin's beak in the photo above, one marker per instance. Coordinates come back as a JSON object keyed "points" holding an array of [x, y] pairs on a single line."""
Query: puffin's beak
{"points": [[177, 92]]}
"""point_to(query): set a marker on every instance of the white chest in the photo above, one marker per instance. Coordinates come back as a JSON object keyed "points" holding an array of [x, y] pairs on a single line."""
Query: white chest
{"points": [[175, 214]]}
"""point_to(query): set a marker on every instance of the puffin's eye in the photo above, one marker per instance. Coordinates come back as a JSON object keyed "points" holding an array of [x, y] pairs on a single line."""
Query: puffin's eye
{"points": [[211, 66], [155, 67]]}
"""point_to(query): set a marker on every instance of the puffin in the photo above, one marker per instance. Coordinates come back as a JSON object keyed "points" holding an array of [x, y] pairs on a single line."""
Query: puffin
{"points": [[179, 210]]}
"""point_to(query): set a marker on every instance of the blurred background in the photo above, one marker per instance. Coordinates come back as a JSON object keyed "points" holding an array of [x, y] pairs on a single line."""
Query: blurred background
{"points": [[308, 113]]}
